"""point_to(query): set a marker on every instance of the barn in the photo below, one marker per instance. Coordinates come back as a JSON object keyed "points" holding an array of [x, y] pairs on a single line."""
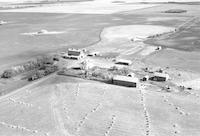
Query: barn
{"points": [[125, 81], [74, 54]]}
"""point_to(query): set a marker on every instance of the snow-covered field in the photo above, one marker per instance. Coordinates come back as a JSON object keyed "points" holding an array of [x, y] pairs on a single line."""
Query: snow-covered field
{"points": [[195, 84], [128, 39], [87, 108], [133, 31], [21, 1], [43, 32], [91, 7], [152, 19], [85, 7]]}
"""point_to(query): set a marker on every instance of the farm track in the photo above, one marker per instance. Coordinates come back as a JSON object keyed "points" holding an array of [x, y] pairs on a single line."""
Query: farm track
{"points": [[57, 115], [186, 25]]}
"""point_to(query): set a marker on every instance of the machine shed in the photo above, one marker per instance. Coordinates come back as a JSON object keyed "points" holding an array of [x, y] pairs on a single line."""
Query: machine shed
{"points": [[125, 81]]}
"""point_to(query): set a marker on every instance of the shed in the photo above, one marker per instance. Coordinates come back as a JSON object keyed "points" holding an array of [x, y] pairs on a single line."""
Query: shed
{"points": [[160, 76], [77, 67], [94, 53], [159, 48], [123, 62], [125, 81], [131, 75]]}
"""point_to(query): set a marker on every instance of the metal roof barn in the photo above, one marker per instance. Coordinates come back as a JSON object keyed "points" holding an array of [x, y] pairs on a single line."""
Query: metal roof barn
{"points": [[125, 81], [74, 52]]}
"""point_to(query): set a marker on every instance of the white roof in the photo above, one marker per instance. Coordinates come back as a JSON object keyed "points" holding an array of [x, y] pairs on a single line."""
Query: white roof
{"points": [[125, 78], [72, 49], [94, 52], [124, 61], [161, 75], [43, 31]]}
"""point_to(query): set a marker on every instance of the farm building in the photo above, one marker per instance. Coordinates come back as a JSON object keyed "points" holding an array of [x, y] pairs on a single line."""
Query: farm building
{"points": [[74, 54], [159, 48], [43, 31], [94, 53], [131, 75], [123, 62], [160, 76], [77, 67], [2, 22], [145, 78], [125, 81]]}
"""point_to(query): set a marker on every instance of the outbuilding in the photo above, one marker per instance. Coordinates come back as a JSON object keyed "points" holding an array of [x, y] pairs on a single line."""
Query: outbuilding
{"points": [[123, 62], [74, 54], [145, 78], [94, 53], [125, 81], [160, 76], [159, 48], [131, 74], [43, 31], [77, 67]]}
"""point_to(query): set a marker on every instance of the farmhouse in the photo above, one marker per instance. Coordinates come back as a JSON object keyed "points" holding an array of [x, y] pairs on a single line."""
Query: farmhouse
{"points": [[160, 76], [74, 54], [125, 81], [123, 62]]}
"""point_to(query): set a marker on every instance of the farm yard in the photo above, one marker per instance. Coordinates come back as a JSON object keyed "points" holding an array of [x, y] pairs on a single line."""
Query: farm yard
{"points": [[79, 95]]}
